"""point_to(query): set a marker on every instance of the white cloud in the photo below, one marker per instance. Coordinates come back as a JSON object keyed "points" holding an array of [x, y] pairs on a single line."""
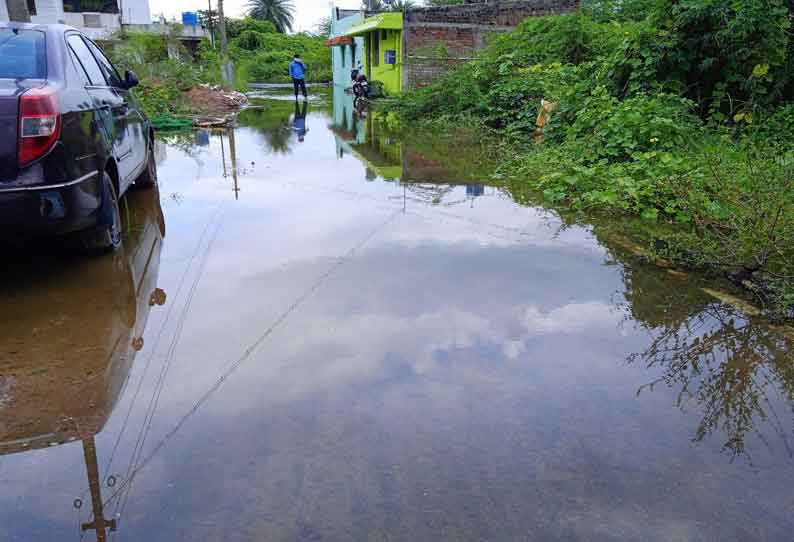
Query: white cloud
{"points": [[572, 318]]}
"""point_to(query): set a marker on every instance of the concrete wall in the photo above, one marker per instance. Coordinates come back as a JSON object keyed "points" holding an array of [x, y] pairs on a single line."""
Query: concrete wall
{"points": [[135, 12], [439, 38], [48, 11], [345, 57], [377, 68], [51, 12], [108, 24]]}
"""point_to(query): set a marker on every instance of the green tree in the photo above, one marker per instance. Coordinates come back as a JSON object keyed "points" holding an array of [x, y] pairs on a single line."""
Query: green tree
{"points": [[323, 28], [278, 12]]}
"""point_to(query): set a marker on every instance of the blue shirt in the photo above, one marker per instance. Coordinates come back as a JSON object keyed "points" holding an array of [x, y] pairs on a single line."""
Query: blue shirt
{"points": [[299, 125], [297, 69]]}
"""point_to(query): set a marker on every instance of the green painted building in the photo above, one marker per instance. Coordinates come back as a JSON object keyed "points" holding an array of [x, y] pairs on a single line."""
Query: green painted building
{"points": [[383, 46]]}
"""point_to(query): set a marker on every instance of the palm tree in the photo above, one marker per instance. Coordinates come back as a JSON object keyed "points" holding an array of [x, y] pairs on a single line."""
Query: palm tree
{"points": [[402, 5], [278, 12]]}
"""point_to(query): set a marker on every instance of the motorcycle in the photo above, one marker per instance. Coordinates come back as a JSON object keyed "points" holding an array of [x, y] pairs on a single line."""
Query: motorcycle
{"points": [[360, 84]]}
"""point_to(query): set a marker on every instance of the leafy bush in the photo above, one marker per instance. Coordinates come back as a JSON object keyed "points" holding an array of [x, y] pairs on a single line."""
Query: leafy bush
{"points": [[775, 127], [265, 57], [672, 110], [251, 41], [618, 129], [162, 79], [236, 27], [158, 98]]}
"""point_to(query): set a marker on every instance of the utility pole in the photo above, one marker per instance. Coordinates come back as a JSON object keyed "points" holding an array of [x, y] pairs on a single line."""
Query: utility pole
{"points": [[226, 65], [209, 23], [222, 25], [223, 157], [233, 152], [18, 11]]}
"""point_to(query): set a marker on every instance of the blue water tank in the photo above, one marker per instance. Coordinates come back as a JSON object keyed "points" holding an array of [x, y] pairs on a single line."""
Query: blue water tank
{"points": [[190, 18]]}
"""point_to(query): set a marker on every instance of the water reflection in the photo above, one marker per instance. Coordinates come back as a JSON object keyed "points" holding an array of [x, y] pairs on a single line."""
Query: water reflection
{"points": [[68, 347], [426, 176], [413, 358], [735, 370], [299, 121], [344, 121], [276, 121]]}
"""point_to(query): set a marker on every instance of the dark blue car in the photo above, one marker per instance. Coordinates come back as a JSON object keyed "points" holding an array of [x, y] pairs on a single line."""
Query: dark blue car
{"points": [[73, 138]]}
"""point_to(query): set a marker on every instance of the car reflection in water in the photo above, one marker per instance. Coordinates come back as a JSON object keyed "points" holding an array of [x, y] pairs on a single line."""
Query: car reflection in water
{"points": [[72, 338]]}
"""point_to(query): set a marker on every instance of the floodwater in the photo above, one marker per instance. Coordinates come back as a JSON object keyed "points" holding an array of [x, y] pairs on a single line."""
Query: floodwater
{"points": [[319, 332]]}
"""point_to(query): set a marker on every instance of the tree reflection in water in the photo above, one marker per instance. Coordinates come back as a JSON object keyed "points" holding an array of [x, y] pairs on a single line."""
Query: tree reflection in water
{"points": [[274, 123], [737, 370]]}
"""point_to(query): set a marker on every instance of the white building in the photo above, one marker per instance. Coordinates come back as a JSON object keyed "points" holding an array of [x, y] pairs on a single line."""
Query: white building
{"points": [[97, 18]]}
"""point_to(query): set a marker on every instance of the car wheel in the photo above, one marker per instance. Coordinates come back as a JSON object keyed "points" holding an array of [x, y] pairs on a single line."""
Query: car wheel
{"points": [[106, 235], [149, 175]]}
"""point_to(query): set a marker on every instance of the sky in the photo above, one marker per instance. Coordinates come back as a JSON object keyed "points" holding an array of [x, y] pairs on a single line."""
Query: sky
{"points": [[307, 12]]}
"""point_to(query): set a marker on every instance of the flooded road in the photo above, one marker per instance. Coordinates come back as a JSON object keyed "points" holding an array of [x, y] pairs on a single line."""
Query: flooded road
{"points": [[317, 331]]}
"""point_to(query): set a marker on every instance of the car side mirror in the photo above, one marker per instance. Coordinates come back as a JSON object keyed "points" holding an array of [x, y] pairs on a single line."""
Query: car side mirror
{"points": [[130, 79]]}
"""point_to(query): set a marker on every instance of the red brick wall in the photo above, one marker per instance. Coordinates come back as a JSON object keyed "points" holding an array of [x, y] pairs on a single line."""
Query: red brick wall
{"points": [[437, 39]]}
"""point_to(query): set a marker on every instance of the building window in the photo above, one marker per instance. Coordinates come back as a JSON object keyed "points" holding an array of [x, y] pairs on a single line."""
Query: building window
{"points": [[92, 20], [96, 6], [343, 48], [32, 7]]}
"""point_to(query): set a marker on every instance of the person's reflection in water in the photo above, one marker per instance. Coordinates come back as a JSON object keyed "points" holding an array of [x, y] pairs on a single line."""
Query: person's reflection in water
{"points": [[299, 121]]}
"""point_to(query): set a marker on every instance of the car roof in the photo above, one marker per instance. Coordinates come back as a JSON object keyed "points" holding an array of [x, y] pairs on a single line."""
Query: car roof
{"points": [[48, 28]]}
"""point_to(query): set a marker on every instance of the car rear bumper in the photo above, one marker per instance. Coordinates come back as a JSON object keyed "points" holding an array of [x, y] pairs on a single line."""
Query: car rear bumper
{"points": [[50, 210]]}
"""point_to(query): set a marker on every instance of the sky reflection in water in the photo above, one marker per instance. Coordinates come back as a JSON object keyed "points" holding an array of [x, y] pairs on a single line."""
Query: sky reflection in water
{"points": [[348, 337]]}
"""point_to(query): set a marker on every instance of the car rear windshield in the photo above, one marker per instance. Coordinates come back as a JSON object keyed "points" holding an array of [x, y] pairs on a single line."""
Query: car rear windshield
{"points": [[22, 54]]}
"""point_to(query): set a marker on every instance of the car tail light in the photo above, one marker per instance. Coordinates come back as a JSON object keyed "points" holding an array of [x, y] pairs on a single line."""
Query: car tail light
{"points": [[39, 123]]}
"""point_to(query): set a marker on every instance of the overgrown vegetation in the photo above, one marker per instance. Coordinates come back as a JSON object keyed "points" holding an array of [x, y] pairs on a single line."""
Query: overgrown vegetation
{"points": [[162, 79], [260, 54], [673, 110]]}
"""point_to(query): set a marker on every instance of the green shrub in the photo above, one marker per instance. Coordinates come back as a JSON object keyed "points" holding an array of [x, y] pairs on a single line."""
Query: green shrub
{"points": [[250, 40], [265, 57], [158, 98], [616, 129], [236, 27], [665, 109], [775, 127]]}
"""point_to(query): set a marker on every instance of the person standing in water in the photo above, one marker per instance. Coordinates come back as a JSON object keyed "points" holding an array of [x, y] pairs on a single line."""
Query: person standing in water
{"points": [[297, 70]]}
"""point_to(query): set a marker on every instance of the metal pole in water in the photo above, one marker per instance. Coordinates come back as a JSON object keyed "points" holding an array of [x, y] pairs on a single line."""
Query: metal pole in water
{"points": [[92, 470]]}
